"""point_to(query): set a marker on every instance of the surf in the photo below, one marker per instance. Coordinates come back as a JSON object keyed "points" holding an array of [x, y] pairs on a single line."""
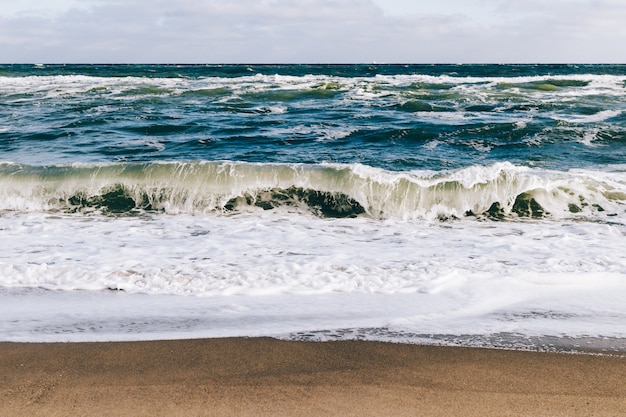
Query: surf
{"points": [[494, 192]]}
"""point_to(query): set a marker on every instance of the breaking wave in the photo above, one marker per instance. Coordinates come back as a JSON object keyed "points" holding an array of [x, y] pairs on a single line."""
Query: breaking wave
{"points": [[498, 192]]}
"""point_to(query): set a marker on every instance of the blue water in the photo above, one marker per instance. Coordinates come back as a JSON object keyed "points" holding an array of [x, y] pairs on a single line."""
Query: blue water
{"points": [[420, 119], [389, 116], [464, 202]]}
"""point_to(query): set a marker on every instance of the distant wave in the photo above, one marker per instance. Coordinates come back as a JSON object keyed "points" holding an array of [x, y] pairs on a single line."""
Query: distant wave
{"points": [[499, 191], [290, 87]]}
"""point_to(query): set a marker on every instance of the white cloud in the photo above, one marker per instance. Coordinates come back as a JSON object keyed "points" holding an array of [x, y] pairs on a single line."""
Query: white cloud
{"points": [[314, 31], [12, 8]]}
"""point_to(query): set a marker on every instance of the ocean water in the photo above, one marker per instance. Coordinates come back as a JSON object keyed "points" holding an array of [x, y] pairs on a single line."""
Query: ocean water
{"points": [[454, 204]]}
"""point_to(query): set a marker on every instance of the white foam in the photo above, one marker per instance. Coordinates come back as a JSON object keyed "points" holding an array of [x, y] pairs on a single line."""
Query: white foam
{"points": [[359, 88], [145, 142], [592, 118], [456, 278]]}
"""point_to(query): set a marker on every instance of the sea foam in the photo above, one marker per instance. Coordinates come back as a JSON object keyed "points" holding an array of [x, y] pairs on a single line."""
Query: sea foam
{"points": [[536, 278]]}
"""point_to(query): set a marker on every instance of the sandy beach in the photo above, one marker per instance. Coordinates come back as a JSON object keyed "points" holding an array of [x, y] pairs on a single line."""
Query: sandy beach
{"points": [[267, 377]]}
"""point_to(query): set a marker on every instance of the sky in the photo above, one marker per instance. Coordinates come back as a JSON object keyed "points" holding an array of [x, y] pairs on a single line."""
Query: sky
{"points": [[312, 31]]}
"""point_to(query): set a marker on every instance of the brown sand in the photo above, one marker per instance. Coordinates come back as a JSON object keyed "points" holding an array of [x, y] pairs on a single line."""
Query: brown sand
{"points": [[266, 377]]}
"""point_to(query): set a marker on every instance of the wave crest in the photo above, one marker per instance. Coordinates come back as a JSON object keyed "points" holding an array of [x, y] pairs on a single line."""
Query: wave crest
{"points": [[500, 191]]}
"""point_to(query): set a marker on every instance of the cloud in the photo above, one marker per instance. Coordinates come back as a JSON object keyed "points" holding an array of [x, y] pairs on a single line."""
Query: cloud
{"points": [[184, 30], [562, 30], [315, 31]]}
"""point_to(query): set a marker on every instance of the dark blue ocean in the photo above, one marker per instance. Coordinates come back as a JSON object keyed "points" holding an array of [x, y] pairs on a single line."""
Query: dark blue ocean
{"points": [[476, 199], [396, 117]]}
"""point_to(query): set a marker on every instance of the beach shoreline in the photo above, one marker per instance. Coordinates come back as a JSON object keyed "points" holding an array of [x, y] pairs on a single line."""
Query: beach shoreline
{"points": [[270, 377], [392, 227]]}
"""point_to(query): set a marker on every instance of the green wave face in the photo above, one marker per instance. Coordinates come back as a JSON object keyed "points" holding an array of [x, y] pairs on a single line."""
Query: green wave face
{"points": [[497, 192]]}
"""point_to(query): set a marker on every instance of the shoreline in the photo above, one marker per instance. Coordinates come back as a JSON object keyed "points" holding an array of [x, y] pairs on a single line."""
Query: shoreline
{"points": [[271, 377]]}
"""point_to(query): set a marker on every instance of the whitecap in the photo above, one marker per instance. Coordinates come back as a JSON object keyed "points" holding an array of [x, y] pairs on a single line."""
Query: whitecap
{"points": [[600, 116]]}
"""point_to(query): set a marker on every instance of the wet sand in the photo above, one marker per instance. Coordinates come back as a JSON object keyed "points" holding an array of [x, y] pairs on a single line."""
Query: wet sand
{"points": [[267, 377]]}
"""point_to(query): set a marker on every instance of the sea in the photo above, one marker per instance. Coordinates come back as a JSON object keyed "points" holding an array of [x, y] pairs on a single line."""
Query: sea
{"points": [[471, 205]]}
